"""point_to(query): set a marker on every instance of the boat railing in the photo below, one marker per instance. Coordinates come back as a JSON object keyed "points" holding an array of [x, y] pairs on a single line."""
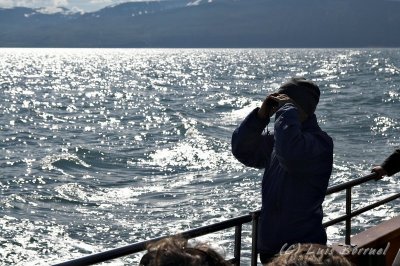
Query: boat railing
{"points": [[237, 224]]}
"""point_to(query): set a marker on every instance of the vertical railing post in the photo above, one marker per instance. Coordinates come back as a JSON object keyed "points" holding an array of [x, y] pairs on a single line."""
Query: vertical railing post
{"points": [[254, 233], [348, 216], [238, 244]]}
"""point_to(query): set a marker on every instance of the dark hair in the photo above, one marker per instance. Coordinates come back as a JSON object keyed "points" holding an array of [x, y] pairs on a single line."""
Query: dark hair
{"points": [[174, 251], [310, 255]]}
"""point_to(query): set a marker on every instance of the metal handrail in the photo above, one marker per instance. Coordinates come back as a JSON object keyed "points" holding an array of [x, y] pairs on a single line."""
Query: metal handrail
{"points": [[141, 246], [349, 214], [237, 223], [352, 183]]}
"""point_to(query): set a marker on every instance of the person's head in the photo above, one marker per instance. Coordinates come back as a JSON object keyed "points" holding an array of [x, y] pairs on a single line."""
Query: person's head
{"points": [[174, 251], [310, 255], [304, 92]]}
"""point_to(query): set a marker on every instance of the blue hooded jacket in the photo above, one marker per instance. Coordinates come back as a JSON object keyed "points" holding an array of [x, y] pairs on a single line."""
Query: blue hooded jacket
{"points": [[298, 160]]}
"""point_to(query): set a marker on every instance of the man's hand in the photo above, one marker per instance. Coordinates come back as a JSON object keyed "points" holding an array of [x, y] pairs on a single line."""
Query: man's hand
{"points": [[275, 101], [268, 107], [380, 171], [282, 99]]}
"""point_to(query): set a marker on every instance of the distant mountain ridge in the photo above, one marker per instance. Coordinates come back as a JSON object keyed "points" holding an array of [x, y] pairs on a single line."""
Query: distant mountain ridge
{"points": [[204, 23]]}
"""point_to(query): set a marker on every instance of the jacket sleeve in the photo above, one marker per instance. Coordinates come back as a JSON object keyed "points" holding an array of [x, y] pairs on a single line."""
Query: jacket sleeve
{"points": [[297, 150], [249, 145], [392, 163]]}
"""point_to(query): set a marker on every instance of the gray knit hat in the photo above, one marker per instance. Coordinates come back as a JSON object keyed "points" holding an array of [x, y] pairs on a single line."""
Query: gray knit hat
{"points": [[304, 92]]}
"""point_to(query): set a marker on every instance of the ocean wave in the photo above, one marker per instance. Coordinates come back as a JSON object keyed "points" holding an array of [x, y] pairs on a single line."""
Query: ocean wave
{"points": [[64, 163], [193, 153]]}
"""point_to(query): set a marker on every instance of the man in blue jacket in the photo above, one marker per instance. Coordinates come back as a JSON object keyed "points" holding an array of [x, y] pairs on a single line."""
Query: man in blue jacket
{"points": [[297, 158]]}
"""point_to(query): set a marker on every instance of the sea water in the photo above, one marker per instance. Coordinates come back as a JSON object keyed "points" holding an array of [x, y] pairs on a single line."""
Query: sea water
{"points": [[101, 148]]}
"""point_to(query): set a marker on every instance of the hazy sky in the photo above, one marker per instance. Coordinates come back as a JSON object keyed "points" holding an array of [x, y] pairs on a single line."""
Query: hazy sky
{"points": [[76, 5]]}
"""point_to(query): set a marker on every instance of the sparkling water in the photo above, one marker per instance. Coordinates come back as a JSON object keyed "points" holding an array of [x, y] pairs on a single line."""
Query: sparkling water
{"points": [[100, 148]]}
